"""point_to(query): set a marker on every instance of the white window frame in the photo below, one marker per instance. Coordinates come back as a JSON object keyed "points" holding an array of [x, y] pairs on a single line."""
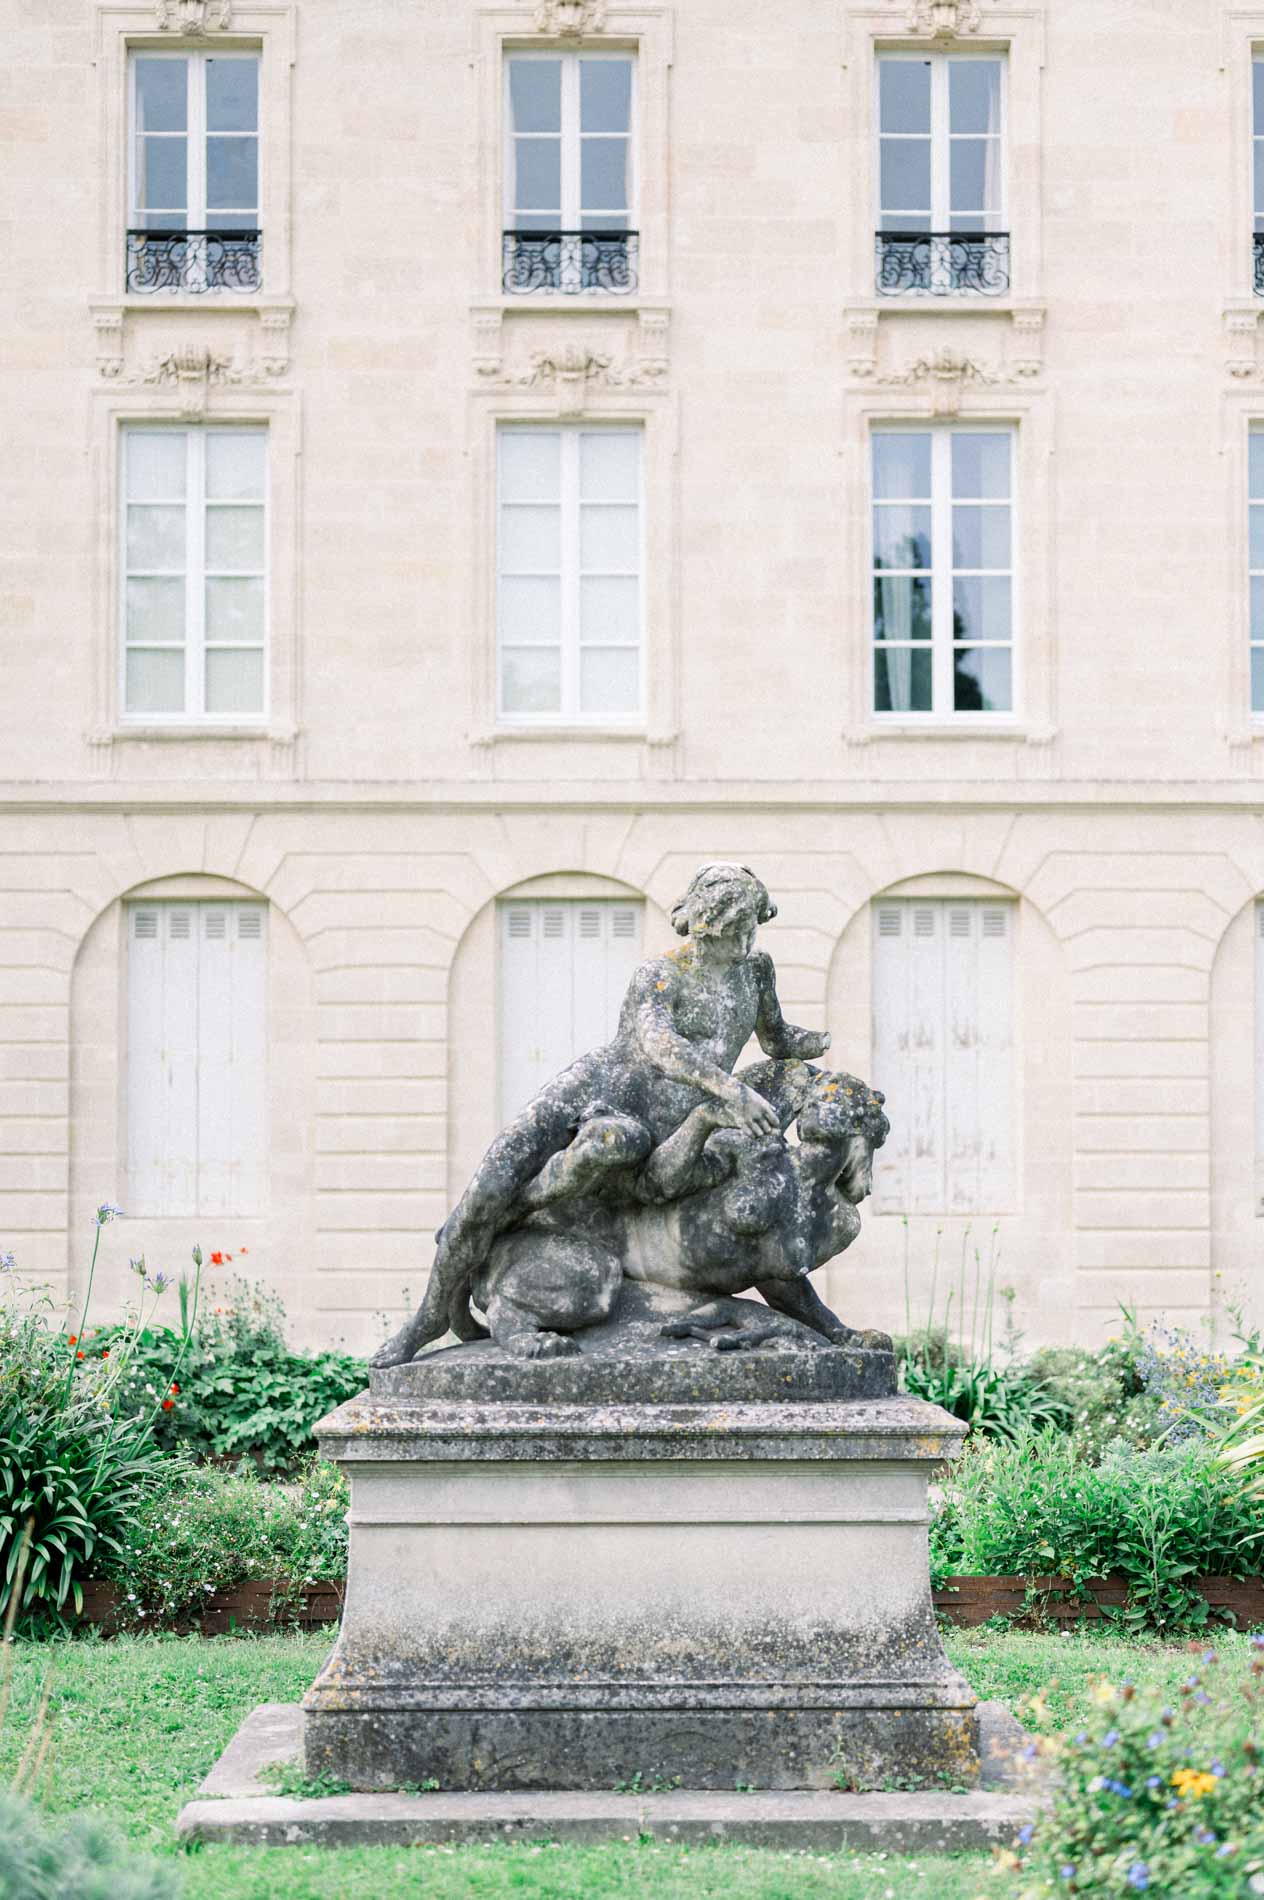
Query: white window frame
{"points": [[1255, 642], [568, 712], [943, 644], [195, 136], [941, 137], [195, 644], [570, 212]]}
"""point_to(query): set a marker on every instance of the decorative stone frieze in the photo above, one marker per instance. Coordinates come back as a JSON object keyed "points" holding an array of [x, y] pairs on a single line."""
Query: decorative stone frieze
{"points": [[943, 19], [947, 374], [570, 19], [193, 19]]}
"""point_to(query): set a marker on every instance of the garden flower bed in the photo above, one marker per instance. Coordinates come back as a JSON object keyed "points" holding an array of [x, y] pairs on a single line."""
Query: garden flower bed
{"points": [[1032, 1601]]}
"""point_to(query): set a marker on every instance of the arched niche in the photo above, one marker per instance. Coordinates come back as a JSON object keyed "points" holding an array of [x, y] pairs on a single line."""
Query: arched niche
{"points": [[1237, 1137], [278, 1241], [1027, 1246], [474, 1029]]}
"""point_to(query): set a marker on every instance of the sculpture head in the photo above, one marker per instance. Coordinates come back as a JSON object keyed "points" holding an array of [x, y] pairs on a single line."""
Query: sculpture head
{"points": [[723, 905], [840, 1125]]}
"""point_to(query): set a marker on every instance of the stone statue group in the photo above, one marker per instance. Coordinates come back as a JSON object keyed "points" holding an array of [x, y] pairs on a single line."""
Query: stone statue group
{"points": [[649, 1160]]}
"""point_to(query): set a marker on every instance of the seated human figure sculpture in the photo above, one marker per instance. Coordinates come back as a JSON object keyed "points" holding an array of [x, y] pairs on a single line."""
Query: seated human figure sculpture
{"points": [[684, 1021]]}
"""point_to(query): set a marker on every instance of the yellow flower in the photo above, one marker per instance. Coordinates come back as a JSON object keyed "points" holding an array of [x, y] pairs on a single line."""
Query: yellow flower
{"points": [[1102, 1693], [1190, 1783]]}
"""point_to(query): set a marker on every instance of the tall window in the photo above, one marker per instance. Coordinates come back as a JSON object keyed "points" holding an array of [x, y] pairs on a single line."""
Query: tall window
{"points": [[941, 189], [564, 968], [1257, 170], [569, 573], [194, 185], [942, 1053], [943, 590], [1256, 511], [196, 1044], [568, 173], [194, 564]]}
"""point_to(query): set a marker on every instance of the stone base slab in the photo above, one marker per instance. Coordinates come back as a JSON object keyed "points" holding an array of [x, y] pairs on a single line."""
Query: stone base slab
{"points": [[233, 1806]]}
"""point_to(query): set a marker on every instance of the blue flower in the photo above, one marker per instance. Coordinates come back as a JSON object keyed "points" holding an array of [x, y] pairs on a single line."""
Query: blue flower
{"points": [[1223, 1852], [1067, 1872], [8, 1262], [1110, 1738], [1154, 1781], [1082, 1737], [1204, 1836], [1139, 1875], [1025, 1833], [1156, 1740], [108, 1212], [1028, 1753], [1217, 1768]]}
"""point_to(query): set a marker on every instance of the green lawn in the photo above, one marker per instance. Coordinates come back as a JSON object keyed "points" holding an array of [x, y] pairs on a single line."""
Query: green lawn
{"points": [[139, 1722]]}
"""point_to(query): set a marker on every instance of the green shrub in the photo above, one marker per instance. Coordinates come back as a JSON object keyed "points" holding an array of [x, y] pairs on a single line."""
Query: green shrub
{"points": [[320, 1543], [1153, 1799], [206, 1529], [993, 1399], [1158, 1517], [43, 1857], [242, 1391], [1102, 1393]]}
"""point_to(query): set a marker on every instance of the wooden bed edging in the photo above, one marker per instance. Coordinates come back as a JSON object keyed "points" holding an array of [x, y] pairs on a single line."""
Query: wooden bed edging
{"points": [[969, 1601]]}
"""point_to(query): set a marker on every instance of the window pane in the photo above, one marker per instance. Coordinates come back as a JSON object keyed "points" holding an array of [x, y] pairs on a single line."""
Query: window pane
{"points": [[980, 537], [1257, 537], [155, 681], [901, 467], [1257, 148], [1257, 679], [234, 609], [901, 679], [609, 610], [1256, 440], [232, 173], [608, 539], [156, 463], [972, 179], [904, 94], [531, 679], [235, 465], [234, 539], [1257, 607], [901, 536], [234, 680], [531, 611], [232, 95], [539, 174], [609, 680], [155, 538], [982, 608], [155, 611], [535, 95], [609, 466], [981, 679], [906, 174], [901, 608], [163, 174], [530, 540], [530, 465], [980, 467], [605, 95], [603, 172], [974, 95], [162, 87]]}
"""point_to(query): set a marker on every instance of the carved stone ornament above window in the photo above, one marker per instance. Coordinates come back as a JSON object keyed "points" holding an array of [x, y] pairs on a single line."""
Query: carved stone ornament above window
{"points": [[570, 19], [194, 18], [948, 376], [573, 369], [943, 19]]}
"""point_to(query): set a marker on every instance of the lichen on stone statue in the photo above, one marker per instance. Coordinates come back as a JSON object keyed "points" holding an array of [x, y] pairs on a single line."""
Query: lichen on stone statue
{"points": [[648, 1160]]}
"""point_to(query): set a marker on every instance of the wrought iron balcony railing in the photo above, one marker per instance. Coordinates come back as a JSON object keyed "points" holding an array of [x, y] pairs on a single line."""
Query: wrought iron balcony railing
{"points": [[942, 263], [1259, 263], [566, 262], [193, 260]]}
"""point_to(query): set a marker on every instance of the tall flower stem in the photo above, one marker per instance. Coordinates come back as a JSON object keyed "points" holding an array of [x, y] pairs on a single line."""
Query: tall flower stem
{"points": [[92, 1268]]}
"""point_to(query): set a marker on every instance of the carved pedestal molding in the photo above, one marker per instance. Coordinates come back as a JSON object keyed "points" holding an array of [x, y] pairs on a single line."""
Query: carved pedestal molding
{"points": [[192, 19]]}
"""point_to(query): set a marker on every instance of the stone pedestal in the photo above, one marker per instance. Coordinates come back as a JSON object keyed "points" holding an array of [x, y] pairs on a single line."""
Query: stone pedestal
{"points": [[691, 1569]]}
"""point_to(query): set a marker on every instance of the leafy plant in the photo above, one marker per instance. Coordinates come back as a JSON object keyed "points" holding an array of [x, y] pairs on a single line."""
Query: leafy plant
{"points": [[1241, 1446], [206, 1529], [319, 1553], [1158, 1518], [1151, 1796], [1102, 1392], [243, 1391]]}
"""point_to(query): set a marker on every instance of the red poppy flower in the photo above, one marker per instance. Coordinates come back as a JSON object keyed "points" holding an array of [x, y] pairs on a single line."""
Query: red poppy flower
{"points": [[74, 1339], [78, 1355], [217, 1259], [168, 1405], [106, 1353], [243, 1250], [174, 1386]]}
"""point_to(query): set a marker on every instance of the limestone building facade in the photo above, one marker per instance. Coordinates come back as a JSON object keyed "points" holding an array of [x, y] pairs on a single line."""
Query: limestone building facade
{"points": [[466, 464]]}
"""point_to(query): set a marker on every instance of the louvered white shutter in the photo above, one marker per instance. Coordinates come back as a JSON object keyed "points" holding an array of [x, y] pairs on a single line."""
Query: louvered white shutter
{"points": [[196, 1086], [942, 1052], [564, 968]]}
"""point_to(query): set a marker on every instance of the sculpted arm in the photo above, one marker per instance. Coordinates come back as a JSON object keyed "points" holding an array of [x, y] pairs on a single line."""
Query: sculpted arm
{"points": [[656, 1037], [679, 1165], [776, 1036]]}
